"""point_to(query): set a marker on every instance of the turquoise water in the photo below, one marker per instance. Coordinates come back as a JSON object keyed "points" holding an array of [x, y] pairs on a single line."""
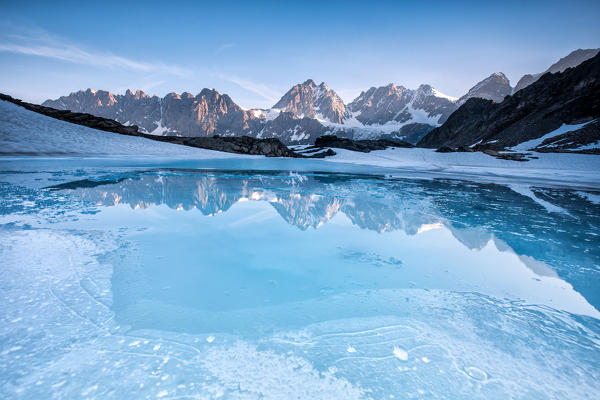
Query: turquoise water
{"points": [[186, 283]]}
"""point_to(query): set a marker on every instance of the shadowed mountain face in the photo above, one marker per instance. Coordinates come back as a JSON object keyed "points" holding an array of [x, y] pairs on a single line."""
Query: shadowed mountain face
{"points": [[573, 59], [569, 97], [561, 242]]}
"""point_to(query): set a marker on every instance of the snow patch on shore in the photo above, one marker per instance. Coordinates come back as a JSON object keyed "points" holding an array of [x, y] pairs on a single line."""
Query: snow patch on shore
{"points": [[24, 132]]}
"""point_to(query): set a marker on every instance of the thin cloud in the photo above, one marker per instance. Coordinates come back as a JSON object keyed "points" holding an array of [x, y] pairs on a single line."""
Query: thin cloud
{"points": [[45, 45], [224, 47], [254, 87]]}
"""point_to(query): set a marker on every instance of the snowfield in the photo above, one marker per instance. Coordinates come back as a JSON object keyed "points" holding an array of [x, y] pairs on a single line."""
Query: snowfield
{"points": [[530, 144], [566, 169], [24, 132]]}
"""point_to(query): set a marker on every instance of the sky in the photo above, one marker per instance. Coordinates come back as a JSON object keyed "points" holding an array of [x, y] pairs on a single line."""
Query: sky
{"points": [[256, 51]]}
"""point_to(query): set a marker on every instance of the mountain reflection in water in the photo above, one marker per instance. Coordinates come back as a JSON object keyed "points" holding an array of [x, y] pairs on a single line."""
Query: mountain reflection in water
{"points": [[554, 231]]}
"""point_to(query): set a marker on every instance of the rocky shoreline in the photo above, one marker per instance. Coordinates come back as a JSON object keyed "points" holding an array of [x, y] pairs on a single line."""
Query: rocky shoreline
{"points": [[363, 146]]}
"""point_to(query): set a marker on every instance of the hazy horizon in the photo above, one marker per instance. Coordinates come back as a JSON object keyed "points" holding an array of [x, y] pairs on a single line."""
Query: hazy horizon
{"points": [[256, 52]]}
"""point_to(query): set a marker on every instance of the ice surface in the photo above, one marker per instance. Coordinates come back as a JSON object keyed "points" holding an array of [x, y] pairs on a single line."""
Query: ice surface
{"points": [[571, 169], [185, 283], [170, 272]]}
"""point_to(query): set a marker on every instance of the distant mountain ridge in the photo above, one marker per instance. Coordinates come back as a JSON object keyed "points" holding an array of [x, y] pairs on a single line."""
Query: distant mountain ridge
{"points": [[304, 113]]}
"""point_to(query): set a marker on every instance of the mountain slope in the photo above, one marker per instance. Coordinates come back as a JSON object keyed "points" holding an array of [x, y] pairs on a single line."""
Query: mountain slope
{"points": [[398, 112], [568, 97], [573, 59], [393, 103]]}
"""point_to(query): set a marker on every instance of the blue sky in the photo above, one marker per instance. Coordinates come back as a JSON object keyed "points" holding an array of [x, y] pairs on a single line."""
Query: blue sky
{"points": [[255, 51]]}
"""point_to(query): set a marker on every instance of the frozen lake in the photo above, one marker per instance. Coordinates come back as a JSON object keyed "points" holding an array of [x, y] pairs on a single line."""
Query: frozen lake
{"points": [[175, 281]]}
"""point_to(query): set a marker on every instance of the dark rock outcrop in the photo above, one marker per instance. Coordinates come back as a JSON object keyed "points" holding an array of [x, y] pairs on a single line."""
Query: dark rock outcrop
{"points": [[363, 146], [236, 144], [568, 97]]}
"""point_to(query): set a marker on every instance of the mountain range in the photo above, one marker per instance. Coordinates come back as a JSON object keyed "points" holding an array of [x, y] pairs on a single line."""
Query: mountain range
{"points": [[308, 110]]}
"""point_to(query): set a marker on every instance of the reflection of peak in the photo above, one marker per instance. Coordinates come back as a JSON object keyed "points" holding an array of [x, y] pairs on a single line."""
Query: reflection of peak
{"points": [[473, 238], [537, 267], [306, 211], [371, 215]]}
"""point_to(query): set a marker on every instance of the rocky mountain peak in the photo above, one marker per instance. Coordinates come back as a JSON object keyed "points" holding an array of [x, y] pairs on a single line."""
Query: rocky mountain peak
{"points": [[139, 94], [392, 88], [495, 87], [309, 100], [425, 89], [209, 93]]}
